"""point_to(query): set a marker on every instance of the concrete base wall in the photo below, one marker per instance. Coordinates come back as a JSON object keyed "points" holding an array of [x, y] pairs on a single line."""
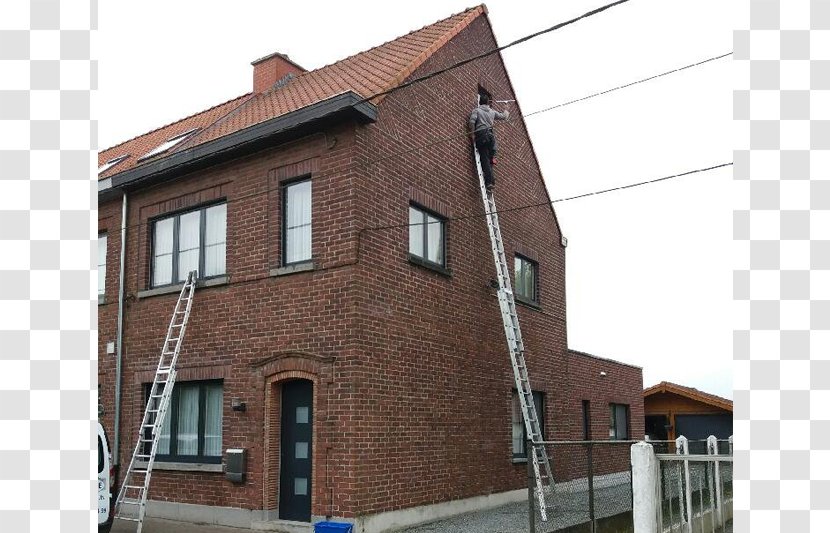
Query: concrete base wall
{"points": [[264, 520]]}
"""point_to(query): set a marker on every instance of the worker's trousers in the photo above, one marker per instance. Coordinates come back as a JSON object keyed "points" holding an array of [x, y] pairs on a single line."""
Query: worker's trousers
{"points": [[486, 145]]}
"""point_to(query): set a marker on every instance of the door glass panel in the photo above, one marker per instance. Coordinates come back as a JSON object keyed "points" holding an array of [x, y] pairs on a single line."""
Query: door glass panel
{"points": [[302, 415], [301, 450], [300, 486]]}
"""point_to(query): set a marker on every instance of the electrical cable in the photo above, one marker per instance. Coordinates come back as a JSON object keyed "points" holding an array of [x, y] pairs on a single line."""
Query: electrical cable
{"points": [[617, 88], [339, 171], [542, 204]]}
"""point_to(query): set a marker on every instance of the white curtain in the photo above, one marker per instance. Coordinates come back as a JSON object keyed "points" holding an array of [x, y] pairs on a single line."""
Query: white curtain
{"points": [[518, 427], [215, 230], [102, 262], [163, 252], [298, 222], [189, 237], [213, 420], [164, 438], [416, 232], [435, 240], [187, 439]]}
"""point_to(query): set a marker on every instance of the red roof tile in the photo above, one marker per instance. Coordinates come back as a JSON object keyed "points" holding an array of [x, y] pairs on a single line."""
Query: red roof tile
{"points": [[365, 73]]}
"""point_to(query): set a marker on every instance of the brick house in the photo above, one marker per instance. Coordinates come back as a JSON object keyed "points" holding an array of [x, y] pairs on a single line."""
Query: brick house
{"points": [[359, 361]]}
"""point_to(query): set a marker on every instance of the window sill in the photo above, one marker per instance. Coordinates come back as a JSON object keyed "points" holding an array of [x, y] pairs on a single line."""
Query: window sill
{"points": [[519, 460], [172, 289], [528, 303], [305, 266], [184, 467], [102, 299], [415, 260]]}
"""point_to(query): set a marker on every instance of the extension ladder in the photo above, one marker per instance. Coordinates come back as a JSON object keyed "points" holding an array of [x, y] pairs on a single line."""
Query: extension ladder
{"points": [[136, 484], [507, 304]]}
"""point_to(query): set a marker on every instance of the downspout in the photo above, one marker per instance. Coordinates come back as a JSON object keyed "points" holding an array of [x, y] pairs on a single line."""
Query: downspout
{"points": [[120, 332]]}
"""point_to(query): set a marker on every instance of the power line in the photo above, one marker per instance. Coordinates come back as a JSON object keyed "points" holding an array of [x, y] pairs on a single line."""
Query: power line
{"points": [[495, 50], [543, 204], [339, 171], [629, 84], [639, 184]]}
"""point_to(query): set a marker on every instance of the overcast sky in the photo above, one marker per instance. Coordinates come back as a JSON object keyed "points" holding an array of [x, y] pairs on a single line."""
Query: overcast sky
{"points": [[648, 269]]}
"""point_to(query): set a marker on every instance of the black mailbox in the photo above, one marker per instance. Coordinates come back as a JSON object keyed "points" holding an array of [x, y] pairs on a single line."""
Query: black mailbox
{"points": [[235, 459]]}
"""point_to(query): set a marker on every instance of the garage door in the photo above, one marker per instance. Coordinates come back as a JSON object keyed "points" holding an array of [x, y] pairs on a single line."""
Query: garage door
{"points": [[695, 427]]}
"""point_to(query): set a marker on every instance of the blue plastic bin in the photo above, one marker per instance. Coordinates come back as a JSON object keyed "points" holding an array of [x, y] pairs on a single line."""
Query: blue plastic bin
{"points": [[332, 527]]}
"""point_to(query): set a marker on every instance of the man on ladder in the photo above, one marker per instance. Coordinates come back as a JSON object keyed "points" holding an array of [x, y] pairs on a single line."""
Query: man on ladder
{"points": [[481, 131], [481, 124]]}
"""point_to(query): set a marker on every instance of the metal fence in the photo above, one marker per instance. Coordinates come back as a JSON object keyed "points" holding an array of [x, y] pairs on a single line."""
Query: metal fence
{"points": [[592, 492], [695, 490]]}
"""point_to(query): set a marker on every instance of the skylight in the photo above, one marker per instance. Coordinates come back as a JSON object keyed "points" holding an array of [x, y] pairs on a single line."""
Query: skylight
{"points": [[168, 144], [111, 163]]}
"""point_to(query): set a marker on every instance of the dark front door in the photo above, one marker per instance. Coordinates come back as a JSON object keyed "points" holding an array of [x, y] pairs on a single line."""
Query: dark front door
{"points": [[295, 455]]}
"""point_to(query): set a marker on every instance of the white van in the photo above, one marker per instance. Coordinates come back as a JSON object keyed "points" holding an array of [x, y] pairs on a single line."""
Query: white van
{"points": [[106, 481]]}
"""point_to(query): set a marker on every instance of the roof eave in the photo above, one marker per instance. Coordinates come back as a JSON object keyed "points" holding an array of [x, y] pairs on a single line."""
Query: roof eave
{"points": [[709, 399], [338, 108]]}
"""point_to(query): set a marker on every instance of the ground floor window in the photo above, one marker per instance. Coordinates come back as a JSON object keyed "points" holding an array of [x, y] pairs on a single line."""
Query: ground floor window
{"points": [[619, 422], [192, 430], [518, 423]]}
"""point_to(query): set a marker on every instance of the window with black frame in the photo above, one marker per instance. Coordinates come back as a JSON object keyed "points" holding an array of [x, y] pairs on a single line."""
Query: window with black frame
{"points": [[296, 222], [192, 240], [526, 272], [192, 429], [426, 237], [519, 431], [619, 422], [102, 264]]}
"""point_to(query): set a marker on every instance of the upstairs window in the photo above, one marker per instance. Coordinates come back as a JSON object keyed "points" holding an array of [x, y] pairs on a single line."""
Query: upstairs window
{"points": [[111, 163], [619, 422], [296, 222], [519, 431], [194, 240], [102, 264], [426, 237], [168, 144], [526, 273]]}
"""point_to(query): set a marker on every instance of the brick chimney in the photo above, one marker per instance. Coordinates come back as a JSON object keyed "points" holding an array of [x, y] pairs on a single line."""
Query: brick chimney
{"points": [[270, 69]]}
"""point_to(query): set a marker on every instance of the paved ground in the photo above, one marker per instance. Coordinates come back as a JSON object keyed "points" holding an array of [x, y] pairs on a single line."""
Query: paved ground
{"points": [[157, 525], [571, 508]]}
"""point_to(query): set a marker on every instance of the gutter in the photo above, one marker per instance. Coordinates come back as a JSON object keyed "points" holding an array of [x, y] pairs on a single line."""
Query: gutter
{"points": [[119, 341], [344, 106]]}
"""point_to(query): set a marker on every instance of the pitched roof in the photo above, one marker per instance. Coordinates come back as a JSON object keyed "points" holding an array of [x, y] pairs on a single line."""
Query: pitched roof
{"points": [[366, 73], [689, 392]]}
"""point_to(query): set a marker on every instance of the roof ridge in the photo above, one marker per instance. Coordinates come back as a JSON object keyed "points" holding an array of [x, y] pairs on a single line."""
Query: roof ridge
{"points": [[173, 123]]}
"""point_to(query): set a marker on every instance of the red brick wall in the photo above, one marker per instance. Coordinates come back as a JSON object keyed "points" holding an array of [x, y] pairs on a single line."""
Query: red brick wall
{"points": [[412, 376], [622, 385]]}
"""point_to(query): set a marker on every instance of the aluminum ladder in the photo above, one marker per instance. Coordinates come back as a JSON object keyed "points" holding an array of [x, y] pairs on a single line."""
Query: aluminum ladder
{"points": [[507, 304], [132, 496]]}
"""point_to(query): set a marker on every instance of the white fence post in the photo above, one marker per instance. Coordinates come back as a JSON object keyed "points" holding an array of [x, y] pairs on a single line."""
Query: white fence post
{"points": [[682, 448], [645, 486], [712, 448]]}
